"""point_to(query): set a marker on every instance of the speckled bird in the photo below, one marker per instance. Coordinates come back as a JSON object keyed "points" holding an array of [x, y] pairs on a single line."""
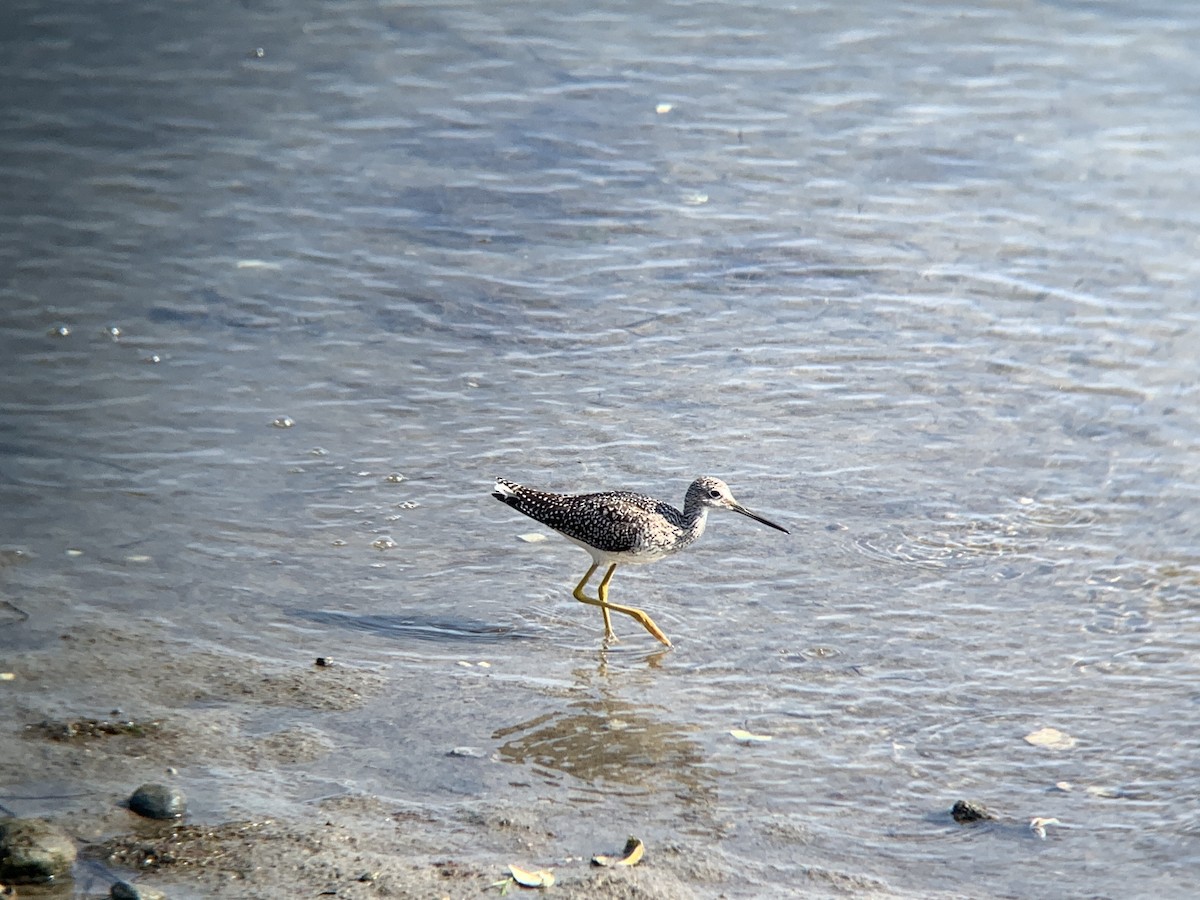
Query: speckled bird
{"points": [[624, 528]]}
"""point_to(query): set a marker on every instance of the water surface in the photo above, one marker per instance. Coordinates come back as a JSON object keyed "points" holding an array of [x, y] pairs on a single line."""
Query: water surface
{"points": [[918, 280]]}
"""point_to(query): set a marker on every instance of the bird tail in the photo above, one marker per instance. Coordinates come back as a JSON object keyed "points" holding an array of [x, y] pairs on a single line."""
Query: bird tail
{"points": [[505, 491]]}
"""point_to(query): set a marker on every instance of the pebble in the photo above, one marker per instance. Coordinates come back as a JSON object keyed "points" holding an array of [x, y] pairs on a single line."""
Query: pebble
{"points": [[970, 811], [123, 890], [158, 801], [33, 850], [468, 752]]}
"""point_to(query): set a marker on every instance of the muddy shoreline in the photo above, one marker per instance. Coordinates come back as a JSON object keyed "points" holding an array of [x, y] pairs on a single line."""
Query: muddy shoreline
{"points": [[183, 715]]}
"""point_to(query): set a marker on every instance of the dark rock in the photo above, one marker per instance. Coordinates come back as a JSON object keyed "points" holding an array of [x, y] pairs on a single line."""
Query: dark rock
{"points": [[158, 801], [970, 811], [33, 850], [123, 890]]}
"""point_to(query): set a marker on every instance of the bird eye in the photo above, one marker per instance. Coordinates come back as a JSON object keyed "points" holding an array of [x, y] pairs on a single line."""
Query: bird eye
{"points": [[715, 494]]}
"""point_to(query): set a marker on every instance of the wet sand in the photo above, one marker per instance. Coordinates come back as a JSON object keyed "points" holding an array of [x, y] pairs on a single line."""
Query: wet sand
{"points": [[183, 721]]}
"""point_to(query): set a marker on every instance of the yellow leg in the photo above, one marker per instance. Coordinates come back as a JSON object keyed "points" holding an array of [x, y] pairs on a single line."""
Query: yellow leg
{"points": [[578, 594], [602, 601]]}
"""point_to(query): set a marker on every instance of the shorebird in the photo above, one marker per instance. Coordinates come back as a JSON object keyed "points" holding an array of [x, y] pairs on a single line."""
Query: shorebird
{"points": [[623, 528]]}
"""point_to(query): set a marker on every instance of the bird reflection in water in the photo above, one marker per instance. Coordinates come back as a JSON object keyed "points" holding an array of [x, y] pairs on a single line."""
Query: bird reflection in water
{"points": [[608, 742]]}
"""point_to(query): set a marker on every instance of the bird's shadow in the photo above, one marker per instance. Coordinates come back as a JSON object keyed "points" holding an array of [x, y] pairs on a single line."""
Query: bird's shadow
{"points": [[416, 627]]}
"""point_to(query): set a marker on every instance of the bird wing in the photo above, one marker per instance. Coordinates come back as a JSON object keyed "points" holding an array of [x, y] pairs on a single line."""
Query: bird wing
{"points": [[612, 521]]}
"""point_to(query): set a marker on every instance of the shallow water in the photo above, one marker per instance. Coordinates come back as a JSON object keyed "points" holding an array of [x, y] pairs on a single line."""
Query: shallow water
{"points": [[918, 282]]}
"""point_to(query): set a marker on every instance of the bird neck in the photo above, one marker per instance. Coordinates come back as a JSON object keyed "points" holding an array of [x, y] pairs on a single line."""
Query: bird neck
{"points": [[695, 517]]}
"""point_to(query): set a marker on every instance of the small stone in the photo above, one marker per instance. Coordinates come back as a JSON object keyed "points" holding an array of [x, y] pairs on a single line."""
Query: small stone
{"points": [[1038, 826], [970, 811], [1052, 738], [123, 890], [324, 661], [158, 801], [33, 850]]}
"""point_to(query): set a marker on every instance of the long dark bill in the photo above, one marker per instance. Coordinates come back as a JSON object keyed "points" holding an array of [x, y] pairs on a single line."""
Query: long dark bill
{"points": [[737, 507]]}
